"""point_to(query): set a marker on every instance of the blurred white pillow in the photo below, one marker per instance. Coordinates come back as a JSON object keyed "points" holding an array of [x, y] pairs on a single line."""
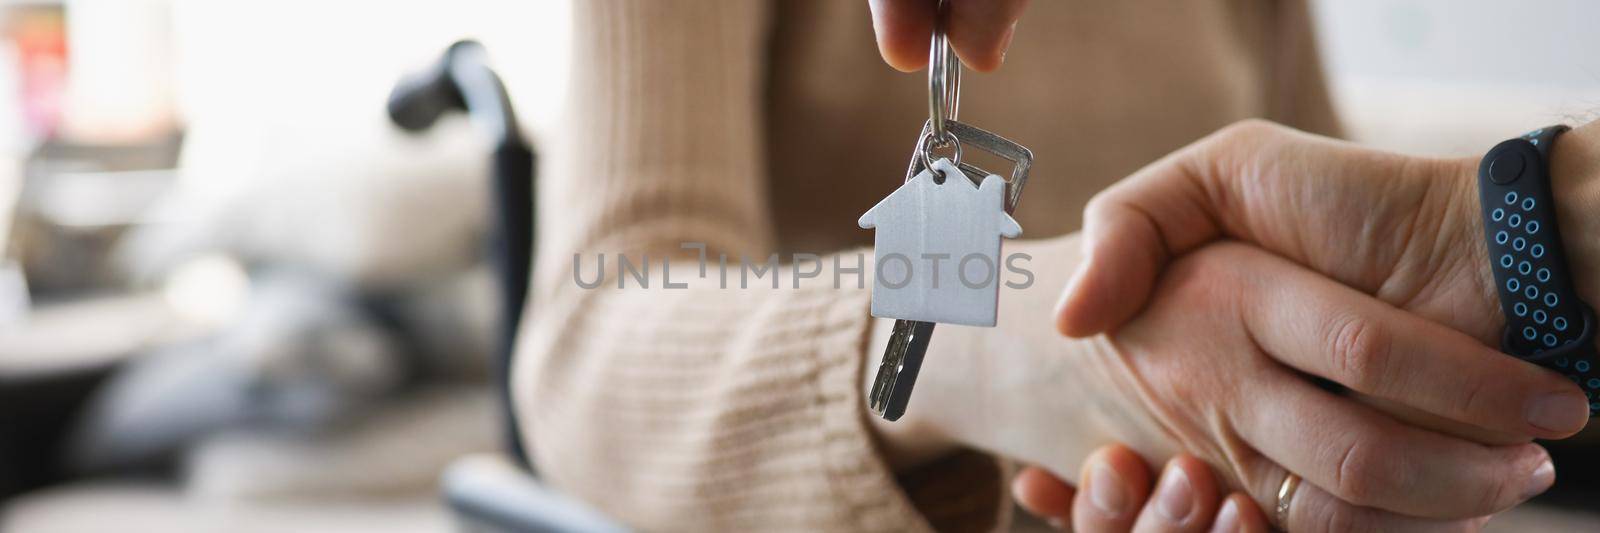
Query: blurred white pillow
{"points": [[348, 196]]}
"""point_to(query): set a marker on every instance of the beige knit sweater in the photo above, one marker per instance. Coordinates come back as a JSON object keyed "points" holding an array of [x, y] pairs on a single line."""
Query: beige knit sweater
{"points": [[763, 127]]}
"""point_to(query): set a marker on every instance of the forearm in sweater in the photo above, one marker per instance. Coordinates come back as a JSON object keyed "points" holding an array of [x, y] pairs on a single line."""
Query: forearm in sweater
{"points": [[695, 408]]}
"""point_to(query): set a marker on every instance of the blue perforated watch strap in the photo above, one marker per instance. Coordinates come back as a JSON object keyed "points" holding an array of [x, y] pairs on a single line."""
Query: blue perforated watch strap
{"points": [[1546, 322]]}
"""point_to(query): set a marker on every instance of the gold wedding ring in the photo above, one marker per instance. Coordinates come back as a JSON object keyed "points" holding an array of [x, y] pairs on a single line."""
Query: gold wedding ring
{"points": [[1286, 491]]}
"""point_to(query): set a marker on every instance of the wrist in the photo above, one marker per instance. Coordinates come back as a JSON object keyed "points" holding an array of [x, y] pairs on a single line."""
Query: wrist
{"points": [[1012, 390], [1575, 179], [1463, 226]]}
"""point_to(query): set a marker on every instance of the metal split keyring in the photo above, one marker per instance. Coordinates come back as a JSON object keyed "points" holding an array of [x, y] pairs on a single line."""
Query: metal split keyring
{"points": [[944, 95]]}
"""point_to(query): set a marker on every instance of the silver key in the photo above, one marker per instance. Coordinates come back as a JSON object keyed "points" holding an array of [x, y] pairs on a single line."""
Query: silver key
{"points": [[897, 372], [908, 342]]}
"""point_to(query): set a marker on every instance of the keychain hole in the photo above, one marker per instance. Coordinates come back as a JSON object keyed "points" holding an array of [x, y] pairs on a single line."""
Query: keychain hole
{"points": [[931, 144]]}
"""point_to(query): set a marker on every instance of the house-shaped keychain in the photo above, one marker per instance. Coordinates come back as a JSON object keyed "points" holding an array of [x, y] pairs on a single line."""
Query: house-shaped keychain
{"points": [[937, 244]]}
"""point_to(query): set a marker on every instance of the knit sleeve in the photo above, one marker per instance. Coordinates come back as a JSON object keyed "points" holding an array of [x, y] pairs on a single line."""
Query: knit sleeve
{"points": [[679, 395]]}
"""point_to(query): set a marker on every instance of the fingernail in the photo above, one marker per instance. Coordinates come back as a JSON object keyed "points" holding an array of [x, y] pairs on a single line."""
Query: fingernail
{"points": [[1056, 524], [1175, 497], [1543, 477], [1005, 41], [1561, 412], [1105, 491], [1227, 518]]}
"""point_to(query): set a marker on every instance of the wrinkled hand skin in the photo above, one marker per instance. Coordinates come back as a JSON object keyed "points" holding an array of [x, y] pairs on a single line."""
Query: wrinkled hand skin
{"points": [[1187, 375], [1181, 370], [1186, 380], [1403, 229]]}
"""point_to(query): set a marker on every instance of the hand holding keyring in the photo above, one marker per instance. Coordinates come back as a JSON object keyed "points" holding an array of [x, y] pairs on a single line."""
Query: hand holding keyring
{"points": [[980, 31]]}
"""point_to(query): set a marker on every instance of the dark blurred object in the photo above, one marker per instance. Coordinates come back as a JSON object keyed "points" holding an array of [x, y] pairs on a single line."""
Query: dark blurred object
{"points": [[304, 355], [37, 412], [493, 495], [496, 494], [462, 81], [51, 363], [1577, 471]]}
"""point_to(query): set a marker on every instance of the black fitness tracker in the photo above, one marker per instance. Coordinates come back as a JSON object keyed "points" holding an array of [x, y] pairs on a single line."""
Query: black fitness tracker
{"points": [[1546, 323]]}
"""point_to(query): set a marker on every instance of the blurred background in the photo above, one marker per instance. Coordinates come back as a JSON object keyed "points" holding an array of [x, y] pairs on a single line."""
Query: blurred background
{"points": [[235, 296]]}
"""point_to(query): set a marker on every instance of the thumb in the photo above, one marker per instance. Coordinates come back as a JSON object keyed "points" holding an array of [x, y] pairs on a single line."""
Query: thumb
{"points": [[981, 30], [1259, 182], [903, 29], [1131, 231], [1123, 253]]}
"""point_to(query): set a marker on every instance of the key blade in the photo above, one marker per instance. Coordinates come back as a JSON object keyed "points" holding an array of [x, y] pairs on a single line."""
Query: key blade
{"points": [[897, 371]]}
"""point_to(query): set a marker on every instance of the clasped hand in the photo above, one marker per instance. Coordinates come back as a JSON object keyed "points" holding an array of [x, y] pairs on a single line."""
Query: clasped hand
{"points": [[1272, 303], [1261, 303]]}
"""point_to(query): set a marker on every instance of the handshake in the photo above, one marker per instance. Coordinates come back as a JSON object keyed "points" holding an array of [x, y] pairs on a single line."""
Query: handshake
{"points": [[1312, 324]]}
